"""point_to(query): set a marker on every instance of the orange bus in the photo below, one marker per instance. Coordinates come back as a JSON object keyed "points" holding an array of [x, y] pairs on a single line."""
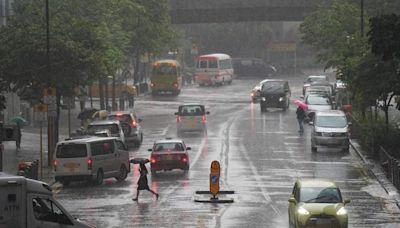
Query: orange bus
{"points": [[166, 77]]}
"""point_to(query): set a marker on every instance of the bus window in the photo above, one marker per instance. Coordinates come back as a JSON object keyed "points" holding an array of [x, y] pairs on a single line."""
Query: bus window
{"points": [[212, 64], [203, 64], [225, 64]]}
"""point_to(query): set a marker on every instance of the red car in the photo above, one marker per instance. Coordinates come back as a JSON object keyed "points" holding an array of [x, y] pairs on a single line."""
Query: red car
{"points": [[169, 154]]}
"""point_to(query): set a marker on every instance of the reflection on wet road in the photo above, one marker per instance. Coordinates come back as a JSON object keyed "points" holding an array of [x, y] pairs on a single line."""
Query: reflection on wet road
{"points": [[261, 155]]}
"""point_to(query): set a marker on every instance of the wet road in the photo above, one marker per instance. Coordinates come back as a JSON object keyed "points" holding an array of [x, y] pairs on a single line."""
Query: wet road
{"points": [[261, 155]]}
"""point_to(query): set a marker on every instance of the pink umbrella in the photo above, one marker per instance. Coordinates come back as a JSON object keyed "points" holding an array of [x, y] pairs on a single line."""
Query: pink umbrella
{"points": [[301, 104]]}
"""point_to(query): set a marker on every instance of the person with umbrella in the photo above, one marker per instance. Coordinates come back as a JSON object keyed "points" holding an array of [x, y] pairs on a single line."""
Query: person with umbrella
{"points": [[143, 182], [301, 114], [19, 121]]}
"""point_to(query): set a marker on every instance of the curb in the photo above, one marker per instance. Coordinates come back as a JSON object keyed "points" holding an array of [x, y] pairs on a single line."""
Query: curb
{"points": [[376, 170]]}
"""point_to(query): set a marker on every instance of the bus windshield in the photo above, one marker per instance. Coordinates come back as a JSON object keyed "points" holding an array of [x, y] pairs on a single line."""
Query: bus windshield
{"points": [[164, 69]]}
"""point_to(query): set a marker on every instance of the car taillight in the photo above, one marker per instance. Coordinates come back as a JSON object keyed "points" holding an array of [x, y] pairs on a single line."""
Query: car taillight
{"points": [[134, 124], [89, 164], [152, 84], [153, 160], [204, 119], [184, 159], [55, 165], [178, 118]]}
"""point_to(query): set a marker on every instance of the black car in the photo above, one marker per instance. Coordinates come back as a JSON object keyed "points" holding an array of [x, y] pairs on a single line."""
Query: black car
{"points": [[275, 93], [252, 67]]}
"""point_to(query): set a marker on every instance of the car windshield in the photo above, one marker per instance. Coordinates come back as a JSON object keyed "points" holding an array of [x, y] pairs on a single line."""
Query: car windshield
{"points": [[123, 118], [168, 147], [273, 87], [315, 79], [318, 100], [325, 89], [191, 110], [320, 195], [112, 127], [71, 151], [331, 121]]}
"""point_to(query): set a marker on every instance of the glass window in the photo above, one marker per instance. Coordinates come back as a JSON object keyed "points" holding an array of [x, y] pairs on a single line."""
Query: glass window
{"points": [[47, 210], [168, 147], [114, 129], [273, 87], [191, 110], [212, 64], [225, 64], [331, 121], [102, 147], [71, 151], [320, 195], [202, 64], [318, 100], [164, 69], [120, 145]]}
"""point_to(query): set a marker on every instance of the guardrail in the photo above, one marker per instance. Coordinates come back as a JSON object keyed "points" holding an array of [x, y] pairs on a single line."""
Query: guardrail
{"points": [[391, 166]]}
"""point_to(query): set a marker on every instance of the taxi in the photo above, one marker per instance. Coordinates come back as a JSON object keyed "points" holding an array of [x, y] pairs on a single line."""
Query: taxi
{"points": [[169, 154]]}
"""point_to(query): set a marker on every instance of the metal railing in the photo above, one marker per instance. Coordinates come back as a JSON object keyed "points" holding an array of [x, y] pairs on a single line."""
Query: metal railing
{"points": [[391, 167]]}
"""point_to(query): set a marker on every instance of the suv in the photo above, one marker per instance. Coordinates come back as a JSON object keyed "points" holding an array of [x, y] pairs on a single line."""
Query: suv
{"points": [[330, 129], [130, 125], [168, 154], [191, 117], [91, 159], [274, 93], [114, 126]]}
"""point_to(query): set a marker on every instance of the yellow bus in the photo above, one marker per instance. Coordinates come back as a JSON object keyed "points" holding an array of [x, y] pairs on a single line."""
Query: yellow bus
{"points": [[166, 77]]}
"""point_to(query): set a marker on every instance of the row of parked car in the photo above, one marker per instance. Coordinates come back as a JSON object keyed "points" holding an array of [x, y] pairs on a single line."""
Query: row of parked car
{"points": [[101, 151], [322, 99]]}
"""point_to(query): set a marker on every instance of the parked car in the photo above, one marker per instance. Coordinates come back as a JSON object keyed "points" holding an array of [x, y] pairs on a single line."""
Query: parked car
{"points": [[317, 102], [252, 67], [130, 124], [169, 154], [317, 203], [255, 92], [191, 117], [314, 78], [114, 126], [330, 129], [275, 93], [91, 159]]}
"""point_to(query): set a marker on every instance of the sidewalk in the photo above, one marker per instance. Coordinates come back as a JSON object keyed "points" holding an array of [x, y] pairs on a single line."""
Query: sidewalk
{"points": [[376, 170]]}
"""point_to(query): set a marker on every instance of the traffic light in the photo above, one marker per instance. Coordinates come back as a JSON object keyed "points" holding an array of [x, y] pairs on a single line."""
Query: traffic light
{"points": [[2, 102]]}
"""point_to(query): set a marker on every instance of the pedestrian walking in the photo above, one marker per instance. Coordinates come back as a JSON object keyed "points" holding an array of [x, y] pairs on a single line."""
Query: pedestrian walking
{"points": [[301, 115], [19, 136], [143, 183]]}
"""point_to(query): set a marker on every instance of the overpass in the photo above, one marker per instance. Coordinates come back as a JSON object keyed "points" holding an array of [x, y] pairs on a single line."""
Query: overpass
{"points": [[219, 11]]}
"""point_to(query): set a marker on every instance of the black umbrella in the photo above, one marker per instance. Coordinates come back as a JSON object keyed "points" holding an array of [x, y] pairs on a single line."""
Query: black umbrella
{"points": [[87, 113], [139, 160]]}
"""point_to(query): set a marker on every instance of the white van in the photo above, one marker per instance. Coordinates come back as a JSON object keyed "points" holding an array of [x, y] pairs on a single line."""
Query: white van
{"points": [[214, 69], [27, 203], [91, 159]]}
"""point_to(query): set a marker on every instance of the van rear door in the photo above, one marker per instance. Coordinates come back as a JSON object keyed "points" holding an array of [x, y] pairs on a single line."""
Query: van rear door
{"points": [[72, 159], [12, 211]]}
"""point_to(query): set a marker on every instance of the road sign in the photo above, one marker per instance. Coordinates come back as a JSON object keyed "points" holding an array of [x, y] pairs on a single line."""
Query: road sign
{"points": [[282, 47], [214, 178]]}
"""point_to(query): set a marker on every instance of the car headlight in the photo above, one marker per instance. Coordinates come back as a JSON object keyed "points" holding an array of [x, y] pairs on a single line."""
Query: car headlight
{"points": [[302, 211], [342, 211], [263, 99], [280, 99]]}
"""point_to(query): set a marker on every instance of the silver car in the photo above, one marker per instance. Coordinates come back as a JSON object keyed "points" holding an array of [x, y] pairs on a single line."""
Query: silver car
{"points": [[330, 129], [191, 117], [114, 126], [317, 102], [130, 124]]}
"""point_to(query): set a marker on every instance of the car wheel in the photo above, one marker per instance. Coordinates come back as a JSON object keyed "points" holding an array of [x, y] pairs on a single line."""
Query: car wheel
{"points": [[123, 173], [99, 177]]}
